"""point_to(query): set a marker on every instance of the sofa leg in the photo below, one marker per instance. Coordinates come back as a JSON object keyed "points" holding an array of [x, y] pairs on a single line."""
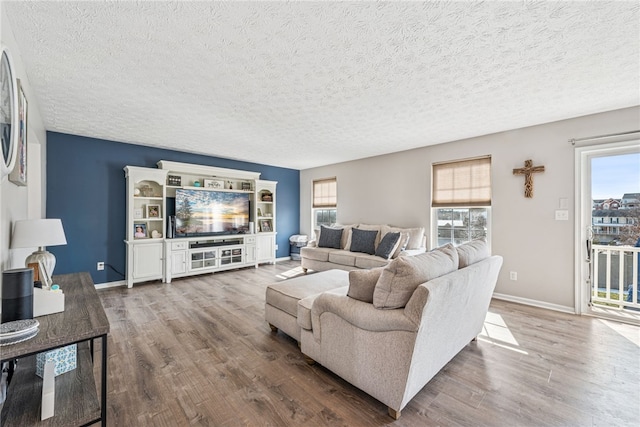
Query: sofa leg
{"points": [[393, 413], [273, 328], [474, 339], [309, 360], [304, 270]]}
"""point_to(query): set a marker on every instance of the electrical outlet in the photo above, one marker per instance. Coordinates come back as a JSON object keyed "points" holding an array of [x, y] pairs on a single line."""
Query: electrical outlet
{"points": [[100, 266], [513, 275]]}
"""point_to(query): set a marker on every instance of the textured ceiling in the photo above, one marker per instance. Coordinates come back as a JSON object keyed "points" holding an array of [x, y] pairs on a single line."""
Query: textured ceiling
{"points": [[305, 84]]}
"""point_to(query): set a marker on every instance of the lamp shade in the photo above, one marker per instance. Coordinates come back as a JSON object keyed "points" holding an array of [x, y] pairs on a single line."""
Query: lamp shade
{"points": [[31, 233]]}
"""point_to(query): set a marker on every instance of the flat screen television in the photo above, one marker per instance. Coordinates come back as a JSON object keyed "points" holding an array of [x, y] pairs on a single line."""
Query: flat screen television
{"points": [[210, 212]]}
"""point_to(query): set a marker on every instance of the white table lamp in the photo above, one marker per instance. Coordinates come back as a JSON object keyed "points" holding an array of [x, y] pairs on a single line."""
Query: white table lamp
{"points": [[31, 233]]}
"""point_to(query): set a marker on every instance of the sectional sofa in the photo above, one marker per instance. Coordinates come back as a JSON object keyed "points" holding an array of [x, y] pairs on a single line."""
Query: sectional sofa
{"points": [[389, 330]]}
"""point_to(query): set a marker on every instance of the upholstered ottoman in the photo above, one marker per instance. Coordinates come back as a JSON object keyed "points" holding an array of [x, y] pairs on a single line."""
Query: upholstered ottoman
{"points": [[281, 301]]}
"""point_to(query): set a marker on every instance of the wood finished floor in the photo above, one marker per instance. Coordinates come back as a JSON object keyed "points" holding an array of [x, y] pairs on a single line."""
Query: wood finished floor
{"points": [[198, 352]]}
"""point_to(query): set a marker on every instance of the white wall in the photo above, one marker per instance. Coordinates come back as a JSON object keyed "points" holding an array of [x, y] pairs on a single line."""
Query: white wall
{"points": [[22, 202], [396, 189]]}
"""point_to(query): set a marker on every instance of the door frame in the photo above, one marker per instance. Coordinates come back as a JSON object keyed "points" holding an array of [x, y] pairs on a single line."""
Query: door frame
{"points": [[583, 208]]}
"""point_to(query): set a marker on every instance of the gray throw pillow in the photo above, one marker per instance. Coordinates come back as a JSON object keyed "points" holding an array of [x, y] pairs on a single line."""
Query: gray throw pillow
{"points": [[362, 283], [388, 245], [404, 274], [472, 252], [363, 241], [330, 237]]}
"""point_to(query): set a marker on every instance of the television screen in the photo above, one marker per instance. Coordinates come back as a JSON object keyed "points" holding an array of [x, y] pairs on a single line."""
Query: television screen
{"points": [[204, 212]]}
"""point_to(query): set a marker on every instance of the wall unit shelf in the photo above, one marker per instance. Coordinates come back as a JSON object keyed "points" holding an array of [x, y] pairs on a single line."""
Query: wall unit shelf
{"points": [[151, 255]]}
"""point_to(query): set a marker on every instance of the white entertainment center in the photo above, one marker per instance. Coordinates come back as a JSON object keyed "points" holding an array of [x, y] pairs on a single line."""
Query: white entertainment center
{"points": [[153, 254]]}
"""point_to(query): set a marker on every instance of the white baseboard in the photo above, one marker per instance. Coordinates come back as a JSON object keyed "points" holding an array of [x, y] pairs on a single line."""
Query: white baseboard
{"points": [[535, 303], [111, 284]]}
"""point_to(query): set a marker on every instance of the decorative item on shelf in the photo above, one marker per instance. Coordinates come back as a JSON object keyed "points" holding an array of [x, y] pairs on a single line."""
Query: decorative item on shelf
{"points": [[29, 233], [136, 192], [265, 226], [196, 183], [139, 230], [153, 211], [65, 359], [245, 186], [146, 191], [174, 180], [213, 183], [156, 234], [268, 214], [267, 197], [17, 295], [259, 212], [137, 213], [230, 185]]}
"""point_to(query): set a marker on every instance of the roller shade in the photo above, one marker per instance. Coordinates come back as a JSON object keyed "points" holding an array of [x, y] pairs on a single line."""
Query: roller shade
{"points": [[325, 193], [462, 183]]}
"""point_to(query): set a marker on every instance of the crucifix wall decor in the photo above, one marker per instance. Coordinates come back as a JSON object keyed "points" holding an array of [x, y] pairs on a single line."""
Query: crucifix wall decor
{"points": [[528, 170]]}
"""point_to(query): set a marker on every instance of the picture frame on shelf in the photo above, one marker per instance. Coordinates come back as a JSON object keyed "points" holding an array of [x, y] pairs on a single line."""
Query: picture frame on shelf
{"points": [[213, 183], [265, 226], [153, 211], [245, 186], [174, 180], [139, 230], [137, 213], [259, 212]]}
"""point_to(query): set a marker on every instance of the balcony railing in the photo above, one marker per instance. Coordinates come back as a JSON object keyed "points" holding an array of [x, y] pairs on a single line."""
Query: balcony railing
{"points": [[615, 277]]}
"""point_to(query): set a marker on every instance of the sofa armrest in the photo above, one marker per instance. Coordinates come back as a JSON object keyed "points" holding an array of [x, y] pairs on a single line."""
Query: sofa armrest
{"points": [[360, 314], [412, 252], [312, 243]]}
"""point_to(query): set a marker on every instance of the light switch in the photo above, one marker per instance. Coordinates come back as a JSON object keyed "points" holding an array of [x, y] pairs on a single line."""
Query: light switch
{"points": [[562, 215], [563, 203]]}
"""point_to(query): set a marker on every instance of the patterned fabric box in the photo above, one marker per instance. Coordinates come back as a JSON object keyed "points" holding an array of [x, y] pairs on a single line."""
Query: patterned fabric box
{"points": [[65, 358]]}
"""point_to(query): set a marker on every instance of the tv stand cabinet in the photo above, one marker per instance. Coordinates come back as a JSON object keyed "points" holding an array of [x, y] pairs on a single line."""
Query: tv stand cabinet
{"points": [[189, 256]]}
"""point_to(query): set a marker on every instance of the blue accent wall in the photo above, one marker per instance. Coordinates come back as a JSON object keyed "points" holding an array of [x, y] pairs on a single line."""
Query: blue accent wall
{"points": [[86, 188]]}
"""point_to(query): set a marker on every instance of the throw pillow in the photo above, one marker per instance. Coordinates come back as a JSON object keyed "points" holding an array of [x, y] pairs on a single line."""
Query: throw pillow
{"points": [[404, 274], [416, 235], [330, 237], [363, 241], [472, 252], [362, 283], [402, 244], [388, 245]]}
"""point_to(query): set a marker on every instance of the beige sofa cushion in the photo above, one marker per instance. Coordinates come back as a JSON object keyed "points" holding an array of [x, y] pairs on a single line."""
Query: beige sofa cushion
{"points": [[472, 252], [402, 276], [370, 261], [315, 253], [341, 257], [362, 283]]}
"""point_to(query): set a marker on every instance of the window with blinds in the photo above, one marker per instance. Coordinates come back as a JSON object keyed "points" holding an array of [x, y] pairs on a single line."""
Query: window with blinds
{"points": [[461, 200], [325, 202]]}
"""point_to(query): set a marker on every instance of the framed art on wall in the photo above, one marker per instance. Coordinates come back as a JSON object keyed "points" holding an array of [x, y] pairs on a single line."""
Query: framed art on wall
{"points": [[19, 173], [8, 113]]}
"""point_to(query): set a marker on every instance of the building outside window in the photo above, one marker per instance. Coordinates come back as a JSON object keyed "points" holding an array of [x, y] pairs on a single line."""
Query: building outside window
{"points": [[325, 202], [461, 200]]}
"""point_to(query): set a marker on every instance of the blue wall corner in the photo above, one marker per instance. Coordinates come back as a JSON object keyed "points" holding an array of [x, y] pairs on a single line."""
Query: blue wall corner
{"points": [[86, 188]]}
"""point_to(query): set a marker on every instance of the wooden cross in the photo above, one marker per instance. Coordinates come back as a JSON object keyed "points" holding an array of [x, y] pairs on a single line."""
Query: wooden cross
{"points": [[528, 170]]}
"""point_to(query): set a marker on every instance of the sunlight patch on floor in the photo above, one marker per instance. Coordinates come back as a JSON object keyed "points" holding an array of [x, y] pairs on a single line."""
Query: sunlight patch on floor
{"points": [[290, 273], [630, 332], [495, 331]]}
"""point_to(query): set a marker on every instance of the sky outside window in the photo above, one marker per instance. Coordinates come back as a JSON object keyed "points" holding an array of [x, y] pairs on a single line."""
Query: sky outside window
{"points": [[613, 176]]}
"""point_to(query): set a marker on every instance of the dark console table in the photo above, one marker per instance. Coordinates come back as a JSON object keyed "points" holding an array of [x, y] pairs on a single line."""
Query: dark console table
{"points": [[76, 401]]}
